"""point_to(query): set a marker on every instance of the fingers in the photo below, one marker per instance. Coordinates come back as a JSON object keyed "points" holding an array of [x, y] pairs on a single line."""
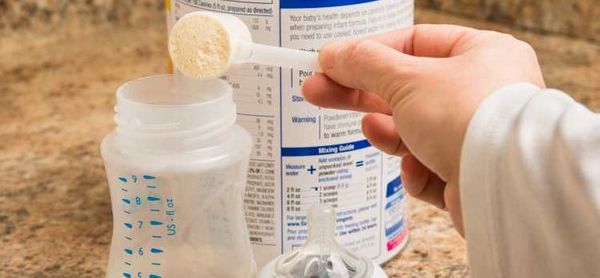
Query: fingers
{"points": [[381, 133], [452, 195], [427, 40], [367, 65], [322, 91], [421, 183], [384, 64]]}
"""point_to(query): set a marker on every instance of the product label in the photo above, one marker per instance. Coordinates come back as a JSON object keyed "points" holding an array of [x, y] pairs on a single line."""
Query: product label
{"points": [[305, 154]]}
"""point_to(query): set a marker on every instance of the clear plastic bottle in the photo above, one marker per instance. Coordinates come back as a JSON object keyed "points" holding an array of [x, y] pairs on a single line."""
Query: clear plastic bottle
{"points": [[176, 165]]}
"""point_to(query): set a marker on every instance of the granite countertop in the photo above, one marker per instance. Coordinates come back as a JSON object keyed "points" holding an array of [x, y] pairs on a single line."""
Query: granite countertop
{"points": [[57, 93]]}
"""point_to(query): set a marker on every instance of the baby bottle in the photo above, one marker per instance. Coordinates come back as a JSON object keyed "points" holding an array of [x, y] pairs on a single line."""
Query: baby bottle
{"points": [[176, 167]]}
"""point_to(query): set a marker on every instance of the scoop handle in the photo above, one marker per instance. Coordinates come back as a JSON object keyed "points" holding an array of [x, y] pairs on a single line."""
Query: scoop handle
{"points": [[283, 57]]}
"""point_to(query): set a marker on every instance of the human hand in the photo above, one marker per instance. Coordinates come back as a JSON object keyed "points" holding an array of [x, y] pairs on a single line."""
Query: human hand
{"points": [[420, 87]]}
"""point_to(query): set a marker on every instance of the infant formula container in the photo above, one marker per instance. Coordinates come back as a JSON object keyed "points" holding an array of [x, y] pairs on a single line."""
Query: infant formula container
{"points": [[304, 154]]}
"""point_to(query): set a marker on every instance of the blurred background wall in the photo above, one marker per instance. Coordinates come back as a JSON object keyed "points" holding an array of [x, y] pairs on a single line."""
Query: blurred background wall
{"points": [[24, 14], [577, 18]]}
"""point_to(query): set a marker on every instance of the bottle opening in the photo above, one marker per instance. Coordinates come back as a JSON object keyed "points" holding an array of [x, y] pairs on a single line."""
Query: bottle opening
{"points": [[169, 103], [172, 90]]}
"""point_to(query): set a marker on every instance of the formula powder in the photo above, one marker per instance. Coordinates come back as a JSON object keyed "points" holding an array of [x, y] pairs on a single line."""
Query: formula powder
{"points": [[200, 47]]}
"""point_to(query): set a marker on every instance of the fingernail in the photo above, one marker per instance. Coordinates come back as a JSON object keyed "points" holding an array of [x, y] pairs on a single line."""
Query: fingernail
{"points": [[328, 54]]}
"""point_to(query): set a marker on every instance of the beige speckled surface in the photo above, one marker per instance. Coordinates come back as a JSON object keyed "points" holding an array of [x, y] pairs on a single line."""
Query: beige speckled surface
{"points": [[27, 14], [57, 92]]}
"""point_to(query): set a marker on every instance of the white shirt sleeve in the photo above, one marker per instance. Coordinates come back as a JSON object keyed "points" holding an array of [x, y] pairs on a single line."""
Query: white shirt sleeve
{"points": [[530, 186]]}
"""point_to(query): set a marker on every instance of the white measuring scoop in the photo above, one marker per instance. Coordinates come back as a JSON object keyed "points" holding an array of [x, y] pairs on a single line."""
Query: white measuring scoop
{"points": [[205, 45]]}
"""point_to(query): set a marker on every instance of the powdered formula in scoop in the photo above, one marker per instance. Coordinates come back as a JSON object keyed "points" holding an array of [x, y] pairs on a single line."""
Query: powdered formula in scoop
{"points": [[205, 44], [200, 47]]}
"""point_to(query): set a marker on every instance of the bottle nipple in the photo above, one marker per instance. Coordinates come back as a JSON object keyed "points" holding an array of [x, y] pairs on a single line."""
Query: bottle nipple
{"points": [[321, 256]]}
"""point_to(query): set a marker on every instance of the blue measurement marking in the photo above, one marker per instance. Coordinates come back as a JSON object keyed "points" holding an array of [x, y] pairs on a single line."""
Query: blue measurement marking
{"points": [[126, 275], [128, 251], [155, 223], [123, 179], [124, 190], [155, 263], [127, 212], [157, 236], [155, 209], [128, 238], [155, 250], [153, 198], [126, 201], [154, 276], [148, 177], [128, 225]]}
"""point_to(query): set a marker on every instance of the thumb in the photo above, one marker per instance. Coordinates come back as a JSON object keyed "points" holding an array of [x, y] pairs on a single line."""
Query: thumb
{"points": [[367, 65]]}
